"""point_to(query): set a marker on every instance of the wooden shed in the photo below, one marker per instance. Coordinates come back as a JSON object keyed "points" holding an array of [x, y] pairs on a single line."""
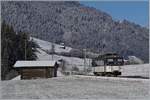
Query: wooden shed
{"points": [[36, 69]]}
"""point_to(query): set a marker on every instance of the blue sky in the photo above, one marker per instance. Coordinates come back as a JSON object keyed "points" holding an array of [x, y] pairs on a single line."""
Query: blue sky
{"points": [[134, 11]]}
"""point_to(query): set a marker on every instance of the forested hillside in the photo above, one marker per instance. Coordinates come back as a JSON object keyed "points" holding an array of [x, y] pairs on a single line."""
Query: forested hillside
{"points": [[77, 26]]}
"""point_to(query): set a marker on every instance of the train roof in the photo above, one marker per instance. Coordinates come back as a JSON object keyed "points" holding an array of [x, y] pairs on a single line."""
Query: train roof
{"points": [[109, 55]]}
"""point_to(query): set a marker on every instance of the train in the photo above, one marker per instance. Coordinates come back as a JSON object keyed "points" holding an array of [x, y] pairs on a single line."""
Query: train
{"points": [[108, 64]]}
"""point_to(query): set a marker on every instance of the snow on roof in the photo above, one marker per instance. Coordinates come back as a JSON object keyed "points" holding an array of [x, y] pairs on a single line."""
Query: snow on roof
{"points": [[34, 63]]}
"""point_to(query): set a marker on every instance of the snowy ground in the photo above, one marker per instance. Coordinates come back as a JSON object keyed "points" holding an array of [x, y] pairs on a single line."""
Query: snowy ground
{"points": [[47, 46], [141, 70], [17, 77], [76, 87]]}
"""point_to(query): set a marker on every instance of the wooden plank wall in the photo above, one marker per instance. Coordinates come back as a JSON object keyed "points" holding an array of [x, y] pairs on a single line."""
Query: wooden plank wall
{"points": [[34, 73]]}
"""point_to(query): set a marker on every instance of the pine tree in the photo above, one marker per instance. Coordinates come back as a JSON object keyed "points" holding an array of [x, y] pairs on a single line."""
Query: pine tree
{"points": [[14, 47]]}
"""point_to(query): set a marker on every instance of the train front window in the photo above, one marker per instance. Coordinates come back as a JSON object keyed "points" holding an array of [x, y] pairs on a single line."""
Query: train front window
{"points": [[119, 60], [110, 60], [100, 63]]}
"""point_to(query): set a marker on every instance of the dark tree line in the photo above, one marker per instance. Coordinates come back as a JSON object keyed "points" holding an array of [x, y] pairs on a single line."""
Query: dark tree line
{"points": [[15, 46]]}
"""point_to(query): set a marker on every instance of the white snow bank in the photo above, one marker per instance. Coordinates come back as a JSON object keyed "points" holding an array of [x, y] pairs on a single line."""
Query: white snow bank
{"points": [[111, 78], [17, 77], [136, 70], [74, 88]]}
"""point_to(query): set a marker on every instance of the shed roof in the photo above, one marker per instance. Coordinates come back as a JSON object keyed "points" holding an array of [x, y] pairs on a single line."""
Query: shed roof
{"points": [[34, 64]]}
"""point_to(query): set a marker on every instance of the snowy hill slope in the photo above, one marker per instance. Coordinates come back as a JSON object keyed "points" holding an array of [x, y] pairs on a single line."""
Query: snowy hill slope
{"points": [[48, 45], [70, 61], [141, 70]]}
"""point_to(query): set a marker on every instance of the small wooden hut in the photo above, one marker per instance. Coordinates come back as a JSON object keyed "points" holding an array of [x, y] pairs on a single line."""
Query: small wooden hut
{"points": [[36, 69]]}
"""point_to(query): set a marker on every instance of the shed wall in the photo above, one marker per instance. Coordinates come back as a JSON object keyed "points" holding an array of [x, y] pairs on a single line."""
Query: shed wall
{"points": [[34, 73]]}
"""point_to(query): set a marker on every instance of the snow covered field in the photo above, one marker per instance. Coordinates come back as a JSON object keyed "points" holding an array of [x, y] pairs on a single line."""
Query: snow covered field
{"points": [[76, 87], [136, 70]]}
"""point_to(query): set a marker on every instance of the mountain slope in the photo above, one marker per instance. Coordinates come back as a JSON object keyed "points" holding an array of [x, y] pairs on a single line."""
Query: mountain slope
{"points": [[77, 26]]}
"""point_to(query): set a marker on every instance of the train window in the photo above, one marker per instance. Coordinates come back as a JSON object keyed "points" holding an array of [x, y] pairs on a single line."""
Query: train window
{"points": [[100, 63], [120, 60], [110, 60]]}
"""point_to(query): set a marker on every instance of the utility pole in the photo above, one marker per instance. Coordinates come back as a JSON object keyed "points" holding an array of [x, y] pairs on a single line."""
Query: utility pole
{"points": [[89, 63], [84, 60], [25, 48], [52, 49], [103, 46]]}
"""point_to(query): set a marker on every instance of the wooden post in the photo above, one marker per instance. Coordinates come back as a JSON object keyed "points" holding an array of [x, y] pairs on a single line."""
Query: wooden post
{"points": [[85, 60], [25, 49]]}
